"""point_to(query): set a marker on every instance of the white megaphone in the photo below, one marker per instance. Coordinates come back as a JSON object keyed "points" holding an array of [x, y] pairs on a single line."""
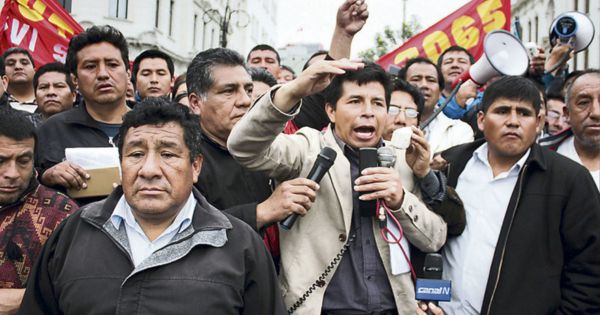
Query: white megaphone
{"points": [[573, 25], [503, 53]]}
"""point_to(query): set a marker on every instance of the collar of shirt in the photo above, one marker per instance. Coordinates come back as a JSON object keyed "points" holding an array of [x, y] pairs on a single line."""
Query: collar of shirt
{"points": [[481, 155], [123, 213]]}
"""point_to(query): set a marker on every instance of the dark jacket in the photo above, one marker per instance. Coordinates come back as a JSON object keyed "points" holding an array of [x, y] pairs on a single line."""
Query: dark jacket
{"points": [[218, 265], [547, 259], [229, 186], [70, 129]]}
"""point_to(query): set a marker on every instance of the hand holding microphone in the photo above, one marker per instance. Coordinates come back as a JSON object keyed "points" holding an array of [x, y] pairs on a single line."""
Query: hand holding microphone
{"points": [[322, 164], [379, 183]]}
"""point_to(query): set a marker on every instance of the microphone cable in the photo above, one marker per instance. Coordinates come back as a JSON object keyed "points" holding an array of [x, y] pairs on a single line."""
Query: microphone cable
{"points": [[385, 231]]}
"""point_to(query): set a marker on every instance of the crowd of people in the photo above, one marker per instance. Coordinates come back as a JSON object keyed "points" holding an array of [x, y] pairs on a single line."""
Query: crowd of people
{"points": [[503, 182]]}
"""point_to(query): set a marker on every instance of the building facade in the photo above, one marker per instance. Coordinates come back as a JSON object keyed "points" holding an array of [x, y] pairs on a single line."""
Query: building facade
{"points": [[181, 28], [536, 16]]}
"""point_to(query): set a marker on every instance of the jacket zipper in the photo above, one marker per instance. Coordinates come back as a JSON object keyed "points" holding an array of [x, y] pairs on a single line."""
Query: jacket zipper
{"points": [[506, 239]]}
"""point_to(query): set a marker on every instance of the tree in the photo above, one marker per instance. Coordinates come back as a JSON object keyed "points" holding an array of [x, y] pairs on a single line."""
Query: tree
{"points": [[390, 39]]}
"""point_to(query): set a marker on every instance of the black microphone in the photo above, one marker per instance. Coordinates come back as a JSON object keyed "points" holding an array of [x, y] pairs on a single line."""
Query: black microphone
{"points": [[433, 288], [367, 157], [324, 161]]}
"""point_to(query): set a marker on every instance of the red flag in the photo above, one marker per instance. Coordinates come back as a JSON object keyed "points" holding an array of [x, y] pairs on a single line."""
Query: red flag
{"points": [[41, 26], [465, 27]]}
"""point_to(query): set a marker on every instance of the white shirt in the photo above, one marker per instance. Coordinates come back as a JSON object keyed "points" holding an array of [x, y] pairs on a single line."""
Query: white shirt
{"points": [[141, 247], [468, 257], [567, 148], [443, 133]]}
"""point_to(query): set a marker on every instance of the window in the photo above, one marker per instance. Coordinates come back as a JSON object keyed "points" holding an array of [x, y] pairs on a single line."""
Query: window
{"points": [[171, 4], [195, 33], [537, 24], [65, 4], [212, 38], [117, 9], [156, 13]]}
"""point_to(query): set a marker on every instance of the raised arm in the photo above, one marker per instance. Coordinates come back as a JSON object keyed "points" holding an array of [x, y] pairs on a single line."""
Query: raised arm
{"points": [[350, 19]]}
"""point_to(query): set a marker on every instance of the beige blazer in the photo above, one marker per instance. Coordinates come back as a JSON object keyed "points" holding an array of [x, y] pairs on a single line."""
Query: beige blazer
{"points": [[257, 142]]}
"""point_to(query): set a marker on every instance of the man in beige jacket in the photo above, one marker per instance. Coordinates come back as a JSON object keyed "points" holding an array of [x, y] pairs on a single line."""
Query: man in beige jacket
{"points": [[370, 275]]}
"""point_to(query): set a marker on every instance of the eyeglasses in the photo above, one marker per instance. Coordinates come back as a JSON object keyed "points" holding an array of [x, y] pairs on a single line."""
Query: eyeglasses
{"points": [[409, 112], [552, 115]]}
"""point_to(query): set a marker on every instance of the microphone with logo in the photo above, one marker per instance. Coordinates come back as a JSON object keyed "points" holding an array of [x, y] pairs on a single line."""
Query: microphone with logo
{"points": [[432, 288], [324, 161]]}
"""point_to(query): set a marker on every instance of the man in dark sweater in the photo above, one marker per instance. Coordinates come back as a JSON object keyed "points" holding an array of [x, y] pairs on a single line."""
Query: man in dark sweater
{"points": [[29, 212], [219, 89]]}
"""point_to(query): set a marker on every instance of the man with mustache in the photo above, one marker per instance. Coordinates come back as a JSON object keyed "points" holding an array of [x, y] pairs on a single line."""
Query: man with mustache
{"points": [[98, 60], [531, 242], [155, 245], [54, 90], [581, 143]]}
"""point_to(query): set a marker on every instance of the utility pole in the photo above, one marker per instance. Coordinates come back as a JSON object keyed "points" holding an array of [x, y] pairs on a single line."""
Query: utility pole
{"points": [[224, 20]]}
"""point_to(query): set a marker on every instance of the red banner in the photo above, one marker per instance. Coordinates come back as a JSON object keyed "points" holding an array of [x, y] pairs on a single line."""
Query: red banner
{"points": [[465, 27], [41, 26]]}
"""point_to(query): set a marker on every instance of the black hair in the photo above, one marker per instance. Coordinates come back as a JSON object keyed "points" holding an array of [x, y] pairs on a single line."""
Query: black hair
{"points": [[262, 75], [410, 62], [264, 47], [2, 69], [513, 88], [317, 53], [180, 80], [151, 54], [576, 77], [454, 48], [403, 86], [159, 111], [284, 67], [15, 125], [199, 72], [371, 72], [95, 35], [53, 67], [18, 50]]}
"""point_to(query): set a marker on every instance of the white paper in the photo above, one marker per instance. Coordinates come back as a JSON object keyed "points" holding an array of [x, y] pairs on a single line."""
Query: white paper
{"points": [[398, 261], [401, 138], [92, 158]]}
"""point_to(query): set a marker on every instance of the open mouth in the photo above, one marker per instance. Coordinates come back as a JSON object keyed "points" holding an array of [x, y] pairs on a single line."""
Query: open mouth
{"points": [[364, 132]]}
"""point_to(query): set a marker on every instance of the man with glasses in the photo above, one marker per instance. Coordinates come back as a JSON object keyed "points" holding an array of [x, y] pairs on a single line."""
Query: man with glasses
{"points": [[556, 120], [406, 104]]}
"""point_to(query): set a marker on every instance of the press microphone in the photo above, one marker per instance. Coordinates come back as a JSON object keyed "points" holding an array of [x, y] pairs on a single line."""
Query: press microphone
{"points": [[432, 288], [386, 157], [324, 161]]}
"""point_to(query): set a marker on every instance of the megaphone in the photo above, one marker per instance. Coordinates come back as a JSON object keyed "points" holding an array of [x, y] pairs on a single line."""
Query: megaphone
{"points": [[573, 25], [503, 53]]}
